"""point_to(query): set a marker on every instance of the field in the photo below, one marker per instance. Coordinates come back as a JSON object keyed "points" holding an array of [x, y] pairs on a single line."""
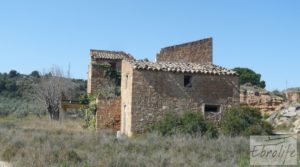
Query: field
{"points": [[38, 142]]}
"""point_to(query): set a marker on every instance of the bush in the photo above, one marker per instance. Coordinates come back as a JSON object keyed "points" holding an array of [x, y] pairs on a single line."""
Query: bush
{"points": [[11, 150], [260, 128], [84, 99], [90, 117], [244, 121], [35, 74], [13, 73], [191, 123], [2, 85], [11, 86], [4, 111]]}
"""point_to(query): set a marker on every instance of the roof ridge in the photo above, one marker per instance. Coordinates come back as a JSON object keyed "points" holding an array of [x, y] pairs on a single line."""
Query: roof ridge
{"points": [[108, 54], [107, 51], [184, 67]]}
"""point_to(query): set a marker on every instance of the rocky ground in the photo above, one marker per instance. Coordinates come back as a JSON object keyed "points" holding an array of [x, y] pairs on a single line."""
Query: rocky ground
{"points": [[261, 98], [280, 108], [286, 119]]}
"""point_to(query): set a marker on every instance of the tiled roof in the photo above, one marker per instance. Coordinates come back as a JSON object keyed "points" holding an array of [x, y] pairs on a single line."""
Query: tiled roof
{"points": [[104, 54], [182, 67]]}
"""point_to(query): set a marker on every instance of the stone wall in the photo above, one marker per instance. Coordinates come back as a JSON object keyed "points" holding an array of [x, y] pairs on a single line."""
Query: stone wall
{"points": [[108, 115], [194, 52], [155, 93], [96, 74]]}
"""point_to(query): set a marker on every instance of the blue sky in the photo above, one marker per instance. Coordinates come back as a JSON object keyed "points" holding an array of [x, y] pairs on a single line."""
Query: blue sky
{"points": [[261, 35]]}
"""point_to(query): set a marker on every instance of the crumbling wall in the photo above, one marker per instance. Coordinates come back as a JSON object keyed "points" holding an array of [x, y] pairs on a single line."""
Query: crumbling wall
{"points": [[100, 59], [108, 115], [192, 52], [96, 74]]}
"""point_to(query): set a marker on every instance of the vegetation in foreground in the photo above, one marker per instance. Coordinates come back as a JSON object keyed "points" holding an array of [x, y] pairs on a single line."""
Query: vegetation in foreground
{"points": [[176, 140], [30, 143], [245, 121], [191, 123]]}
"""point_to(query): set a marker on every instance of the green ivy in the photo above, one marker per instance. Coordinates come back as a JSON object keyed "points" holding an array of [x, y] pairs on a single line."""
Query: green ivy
{"points": [[111, 74], [90, 112]]}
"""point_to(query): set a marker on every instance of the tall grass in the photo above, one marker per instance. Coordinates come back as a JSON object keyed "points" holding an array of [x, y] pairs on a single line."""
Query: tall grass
{"points": [[38, 143]]}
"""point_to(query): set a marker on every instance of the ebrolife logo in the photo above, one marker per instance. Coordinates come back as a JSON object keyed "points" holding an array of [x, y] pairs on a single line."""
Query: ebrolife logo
{"points": [[273, 150]]}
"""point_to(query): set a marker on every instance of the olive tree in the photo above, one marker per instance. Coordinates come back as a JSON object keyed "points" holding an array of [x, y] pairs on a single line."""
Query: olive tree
{"points": [[51, 89]]}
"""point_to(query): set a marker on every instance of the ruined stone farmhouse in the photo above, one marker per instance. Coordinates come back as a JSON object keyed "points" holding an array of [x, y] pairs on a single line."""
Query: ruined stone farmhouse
{"points": [[182, 79]]}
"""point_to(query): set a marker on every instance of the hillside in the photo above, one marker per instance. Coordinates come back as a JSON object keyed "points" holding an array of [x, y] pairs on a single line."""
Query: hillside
{"points": [[16, 93]]}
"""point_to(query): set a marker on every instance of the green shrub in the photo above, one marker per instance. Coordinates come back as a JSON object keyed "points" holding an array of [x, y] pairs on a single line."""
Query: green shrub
{"points": [[168, 125], [191, 123], [11, 85], [35, 74], [4, 111], [73, 157], [84, 99], [244, 121], [11, 150], [2, 85], [260, 128], [13, 73], [90, 111]]}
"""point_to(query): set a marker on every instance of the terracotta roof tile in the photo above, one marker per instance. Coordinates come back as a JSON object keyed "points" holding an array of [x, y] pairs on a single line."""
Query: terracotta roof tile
{"points": [[182, 67], [104, 54]]}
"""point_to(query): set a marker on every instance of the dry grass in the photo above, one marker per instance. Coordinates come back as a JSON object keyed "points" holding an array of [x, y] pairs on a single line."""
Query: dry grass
{"points": [[31, 142]]}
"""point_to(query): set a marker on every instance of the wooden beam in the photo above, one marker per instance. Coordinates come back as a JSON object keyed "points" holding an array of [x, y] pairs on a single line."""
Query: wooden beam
{"points": [[73, 105], [68, 104]]}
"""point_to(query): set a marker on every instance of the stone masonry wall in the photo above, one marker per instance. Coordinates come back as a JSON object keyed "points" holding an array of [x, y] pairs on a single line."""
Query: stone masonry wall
{"points": [[96, 74], [155, 93], [194, 52], [108, 115]]}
